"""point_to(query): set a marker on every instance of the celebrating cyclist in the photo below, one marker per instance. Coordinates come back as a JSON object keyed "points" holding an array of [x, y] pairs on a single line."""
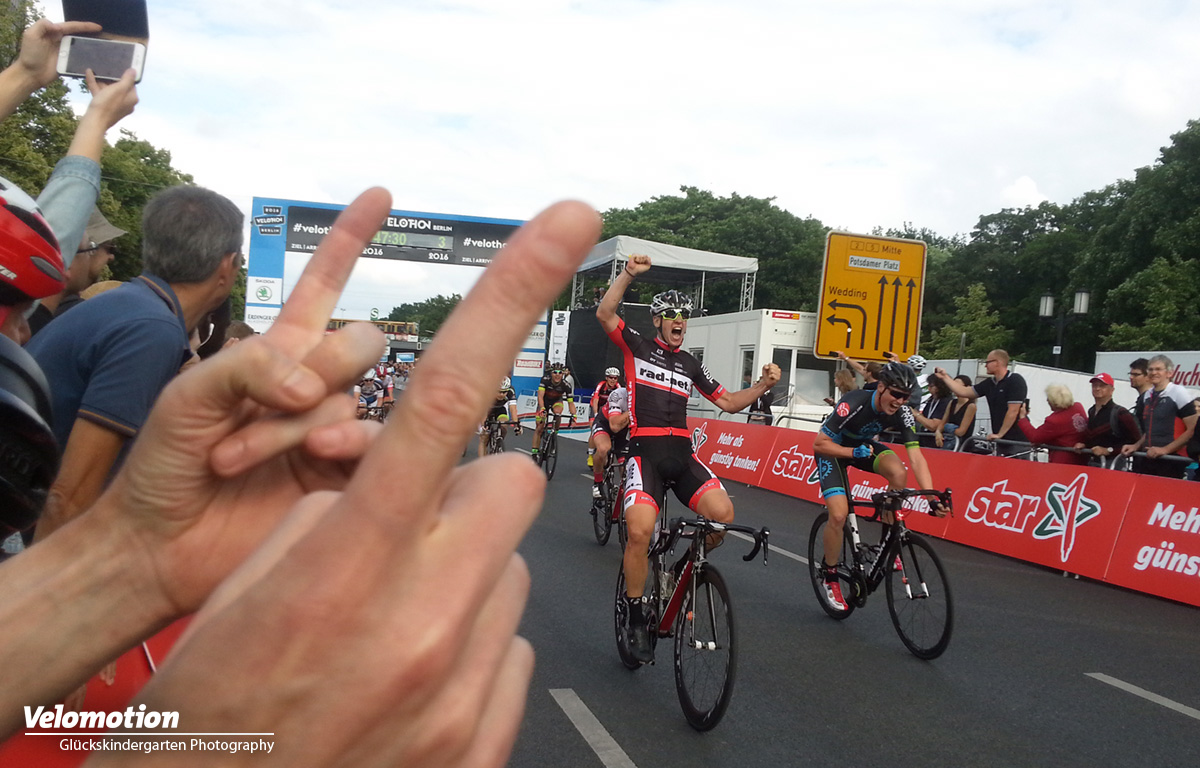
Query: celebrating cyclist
{"points": [[847, 439], [503, 410], [660, 377], [553, 391]]}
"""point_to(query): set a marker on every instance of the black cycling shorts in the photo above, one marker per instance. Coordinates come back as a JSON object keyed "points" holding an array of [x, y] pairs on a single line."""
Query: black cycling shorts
{"points": [[655, 462]]}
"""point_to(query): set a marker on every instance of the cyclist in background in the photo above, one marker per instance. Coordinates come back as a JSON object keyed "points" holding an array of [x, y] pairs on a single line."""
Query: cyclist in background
{"points": [[612, 380], [502, 410], [553, 391], [370, 392], [660, 377], [847, 439], [608, 428]]}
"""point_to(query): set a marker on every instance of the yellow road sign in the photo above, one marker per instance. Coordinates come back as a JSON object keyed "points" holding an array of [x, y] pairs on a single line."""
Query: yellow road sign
{"points": [[872, 290]]}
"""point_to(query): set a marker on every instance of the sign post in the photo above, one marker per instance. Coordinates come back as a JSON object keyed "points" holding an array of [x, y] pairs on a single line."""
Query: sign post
{"points": [[872, 292]]}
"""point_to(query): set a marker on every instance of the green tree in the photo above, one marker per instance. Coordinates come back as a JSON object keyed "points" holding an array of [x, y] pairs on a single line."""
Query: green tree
{"points": [[429, 314], [789, 249], [974, 317]]}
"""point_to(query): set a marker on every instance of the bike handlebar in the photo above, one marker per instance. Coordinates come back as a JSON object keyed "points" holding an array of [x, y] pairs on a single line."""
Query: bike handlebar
{"points": [[880, 500], [704, 527]]}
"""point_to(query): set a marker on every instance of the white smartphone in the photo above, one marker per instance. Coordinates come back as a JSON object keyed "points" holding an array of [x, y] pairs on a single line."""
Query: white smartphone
{"points": [[107, 58]]}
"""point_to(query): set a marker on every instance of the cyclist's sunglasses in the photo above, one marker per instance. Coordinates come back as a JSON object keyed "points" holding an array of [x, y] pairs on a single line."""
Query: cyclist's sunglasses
{"points": [[899, 394], [676, 314]]}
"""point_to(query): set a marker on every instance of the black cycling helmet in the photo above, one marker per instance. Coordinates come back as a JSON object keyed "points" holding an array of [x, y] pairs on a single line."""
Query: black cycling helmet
{"points": [[897, 376], [670, 300], [557, 368], [28, 450]]}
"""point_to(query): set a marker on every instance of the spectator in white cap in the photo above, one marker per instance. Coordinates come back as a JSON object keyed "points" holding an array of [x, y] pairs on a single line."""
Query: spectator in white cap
{"points": [[1109, 426], [94, 254]]}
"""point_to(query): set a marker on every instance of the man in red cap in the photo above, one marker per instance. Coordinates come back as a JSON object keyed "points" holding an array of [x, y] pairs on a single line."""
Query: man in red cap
{"points": [[1109, 426]]}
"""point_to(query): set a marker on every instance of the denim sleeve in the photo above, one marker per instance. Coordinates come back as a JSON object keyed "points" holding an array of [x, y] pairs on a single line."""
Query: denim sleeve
{"points": [[68, 199]]}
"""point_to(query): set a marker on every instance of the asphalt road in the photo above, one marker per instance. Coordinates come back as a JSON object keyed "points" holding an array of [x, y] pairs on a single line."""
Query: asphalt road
{"points": [[1042, 670]]}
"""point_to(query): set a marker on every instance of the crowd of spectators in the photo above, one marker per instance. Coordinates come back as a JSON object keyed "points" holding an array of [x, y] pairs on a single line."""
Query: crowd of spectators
{"points": [[239, 489], [1157, 437]]}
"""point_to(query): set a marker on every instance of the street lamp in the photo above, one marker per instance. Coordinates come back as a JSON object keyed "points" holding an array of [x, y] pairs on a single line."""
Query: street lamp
{"points": [[1083, 299]]}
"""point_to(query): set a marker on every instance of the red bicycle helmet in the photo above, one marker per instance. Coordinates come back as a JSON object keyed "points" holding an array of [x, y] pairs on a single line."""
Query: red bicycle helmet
{"points": [[31, 264]]}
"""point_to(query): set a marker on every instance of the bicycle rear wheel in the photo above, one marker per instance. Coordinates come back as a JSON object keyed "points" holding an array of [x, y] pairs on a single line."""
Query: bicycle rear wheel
{"points": [[816, 557], [550, 456], [621, 616], [918, 598], [705, 651]]}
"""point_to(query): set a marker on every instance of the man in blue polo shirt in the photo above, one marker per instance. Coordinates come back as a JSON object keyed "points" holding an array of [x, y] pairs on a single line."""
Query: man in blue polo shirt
{"points": [[108, 359]]}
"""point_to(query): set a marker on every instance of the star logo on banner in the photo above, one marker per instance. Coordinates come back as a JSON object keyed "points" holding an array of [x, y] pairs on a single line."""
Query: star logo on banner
{"points": [[1069, 508], [699, 436]]}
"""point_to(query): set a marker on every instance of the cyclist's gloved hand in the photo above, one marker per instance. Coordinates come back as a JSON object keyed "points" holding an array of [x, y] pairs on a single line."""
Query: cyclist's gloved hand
{"points": [[862, 451]]}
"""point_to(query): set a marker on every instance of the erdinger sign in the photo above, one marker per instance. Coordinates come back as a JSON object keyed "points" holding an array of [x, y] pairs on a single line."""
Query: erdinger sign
{"points": [[1131, 530]]}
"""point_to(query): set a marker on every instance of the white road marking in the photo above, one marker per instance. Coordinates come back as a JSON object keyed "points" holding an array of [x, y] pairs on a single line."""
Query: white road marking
{"points": [[1147, 695], [774, 549], [603, 744]]}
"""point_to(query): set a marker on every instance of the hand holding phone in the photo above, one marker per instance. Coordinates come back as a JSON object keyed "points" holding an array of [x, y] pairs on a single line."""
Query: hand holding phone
{"points": [[108, 59]]}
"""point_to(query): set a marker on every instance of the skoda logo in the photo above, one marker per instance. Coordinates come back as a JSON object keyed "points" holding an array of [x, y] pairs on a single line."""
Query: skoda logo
{"points": [[263, 293]]}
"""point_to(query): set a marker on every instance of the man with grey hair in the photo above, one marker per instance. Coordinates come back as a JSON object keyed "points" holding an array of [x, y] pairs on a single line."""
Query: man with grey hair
{"points": [[1159, 406], [108, 359]]}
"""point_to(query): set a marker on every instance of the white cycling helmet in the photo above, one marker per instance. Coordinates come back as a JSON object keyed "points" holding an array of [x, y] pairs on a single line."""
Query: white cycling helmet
{"points": [[370, 374], [916, 362], [505, 383], [612, 372], [670, 300]]}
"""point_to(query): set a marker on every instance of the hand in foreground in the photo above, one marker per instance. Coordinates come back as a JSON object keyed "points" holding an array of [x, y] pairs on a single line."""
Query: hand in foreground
{"points": [[375, 626], [38, 57]]}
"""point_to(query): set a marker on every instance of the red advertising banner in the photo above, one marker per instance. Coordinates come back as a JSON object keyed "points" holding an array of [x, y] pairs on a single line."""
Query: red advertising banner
{"points": [[1132, 530], [1158, 550]]}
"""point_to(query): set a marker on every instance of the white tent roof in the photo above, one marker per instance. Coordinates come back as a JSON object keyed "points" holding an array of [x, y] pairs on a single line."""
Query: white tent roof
{"points": [[669, 256]]}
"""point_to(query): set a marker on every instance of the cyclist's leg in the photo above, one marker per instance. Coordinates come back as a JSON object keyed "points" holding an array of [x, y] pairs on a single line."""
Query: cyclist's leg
{"points": [[889, 466], [603, 444], [835, 490], [539, 427], [641, 499], [483, 438]]}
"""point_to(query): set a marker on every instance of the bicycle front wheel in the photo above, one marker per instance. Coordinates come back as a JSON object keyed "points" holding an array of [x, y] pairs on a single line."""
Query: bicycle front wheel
{"points": [[602, 515], [918, 598], [550, 456], [816, 557], [705, 651]]}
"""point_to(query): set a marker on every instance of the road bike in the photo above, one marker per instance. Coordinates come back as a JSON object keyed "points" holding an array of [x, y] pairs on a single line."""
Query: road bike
{"points": [[373, 413], [690, 603], [918, 592], [547, 457], [495, 434], [606, 510]]}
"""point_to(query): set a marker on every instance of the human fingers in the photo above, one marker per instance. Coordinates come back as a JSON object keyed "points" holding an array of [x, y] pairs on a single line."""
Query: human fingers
{"points": [[501, 721], [440, 721], [337, 360], [302, 321], [263, 438], [343, 440], [451, 388], [302, 519]]}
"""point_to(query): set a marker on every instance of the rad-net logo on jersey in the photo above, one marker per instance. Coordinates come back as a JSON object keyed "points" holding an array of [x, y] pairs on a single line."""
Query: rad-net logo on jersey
{"points": [[1067, 508], [843, 409]]}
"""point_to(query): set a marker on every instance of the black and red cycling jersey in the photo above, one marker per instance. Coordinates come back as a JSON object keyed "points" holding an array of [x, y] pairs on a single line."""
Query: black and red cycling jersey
{"points": [[660, 381], [600, 396]]}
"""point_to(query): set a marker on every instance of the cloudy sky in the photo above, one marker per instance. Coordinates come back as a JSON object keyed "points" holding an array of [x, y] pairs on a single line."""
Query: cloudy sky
{"points": [[861, 113]]}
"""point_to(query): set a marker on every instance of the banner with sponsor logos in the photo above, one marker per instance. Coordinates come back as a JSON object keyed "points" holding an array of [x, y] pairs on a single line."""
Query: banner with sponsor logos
{"points": [[1130, 530]]}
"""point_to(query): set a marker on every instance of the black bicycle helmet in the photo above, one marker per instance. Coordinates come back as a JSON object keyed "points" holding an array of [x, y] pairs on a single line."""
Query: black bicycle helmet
{"points": [[28, 450], [897, 376], [668, 300]]}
